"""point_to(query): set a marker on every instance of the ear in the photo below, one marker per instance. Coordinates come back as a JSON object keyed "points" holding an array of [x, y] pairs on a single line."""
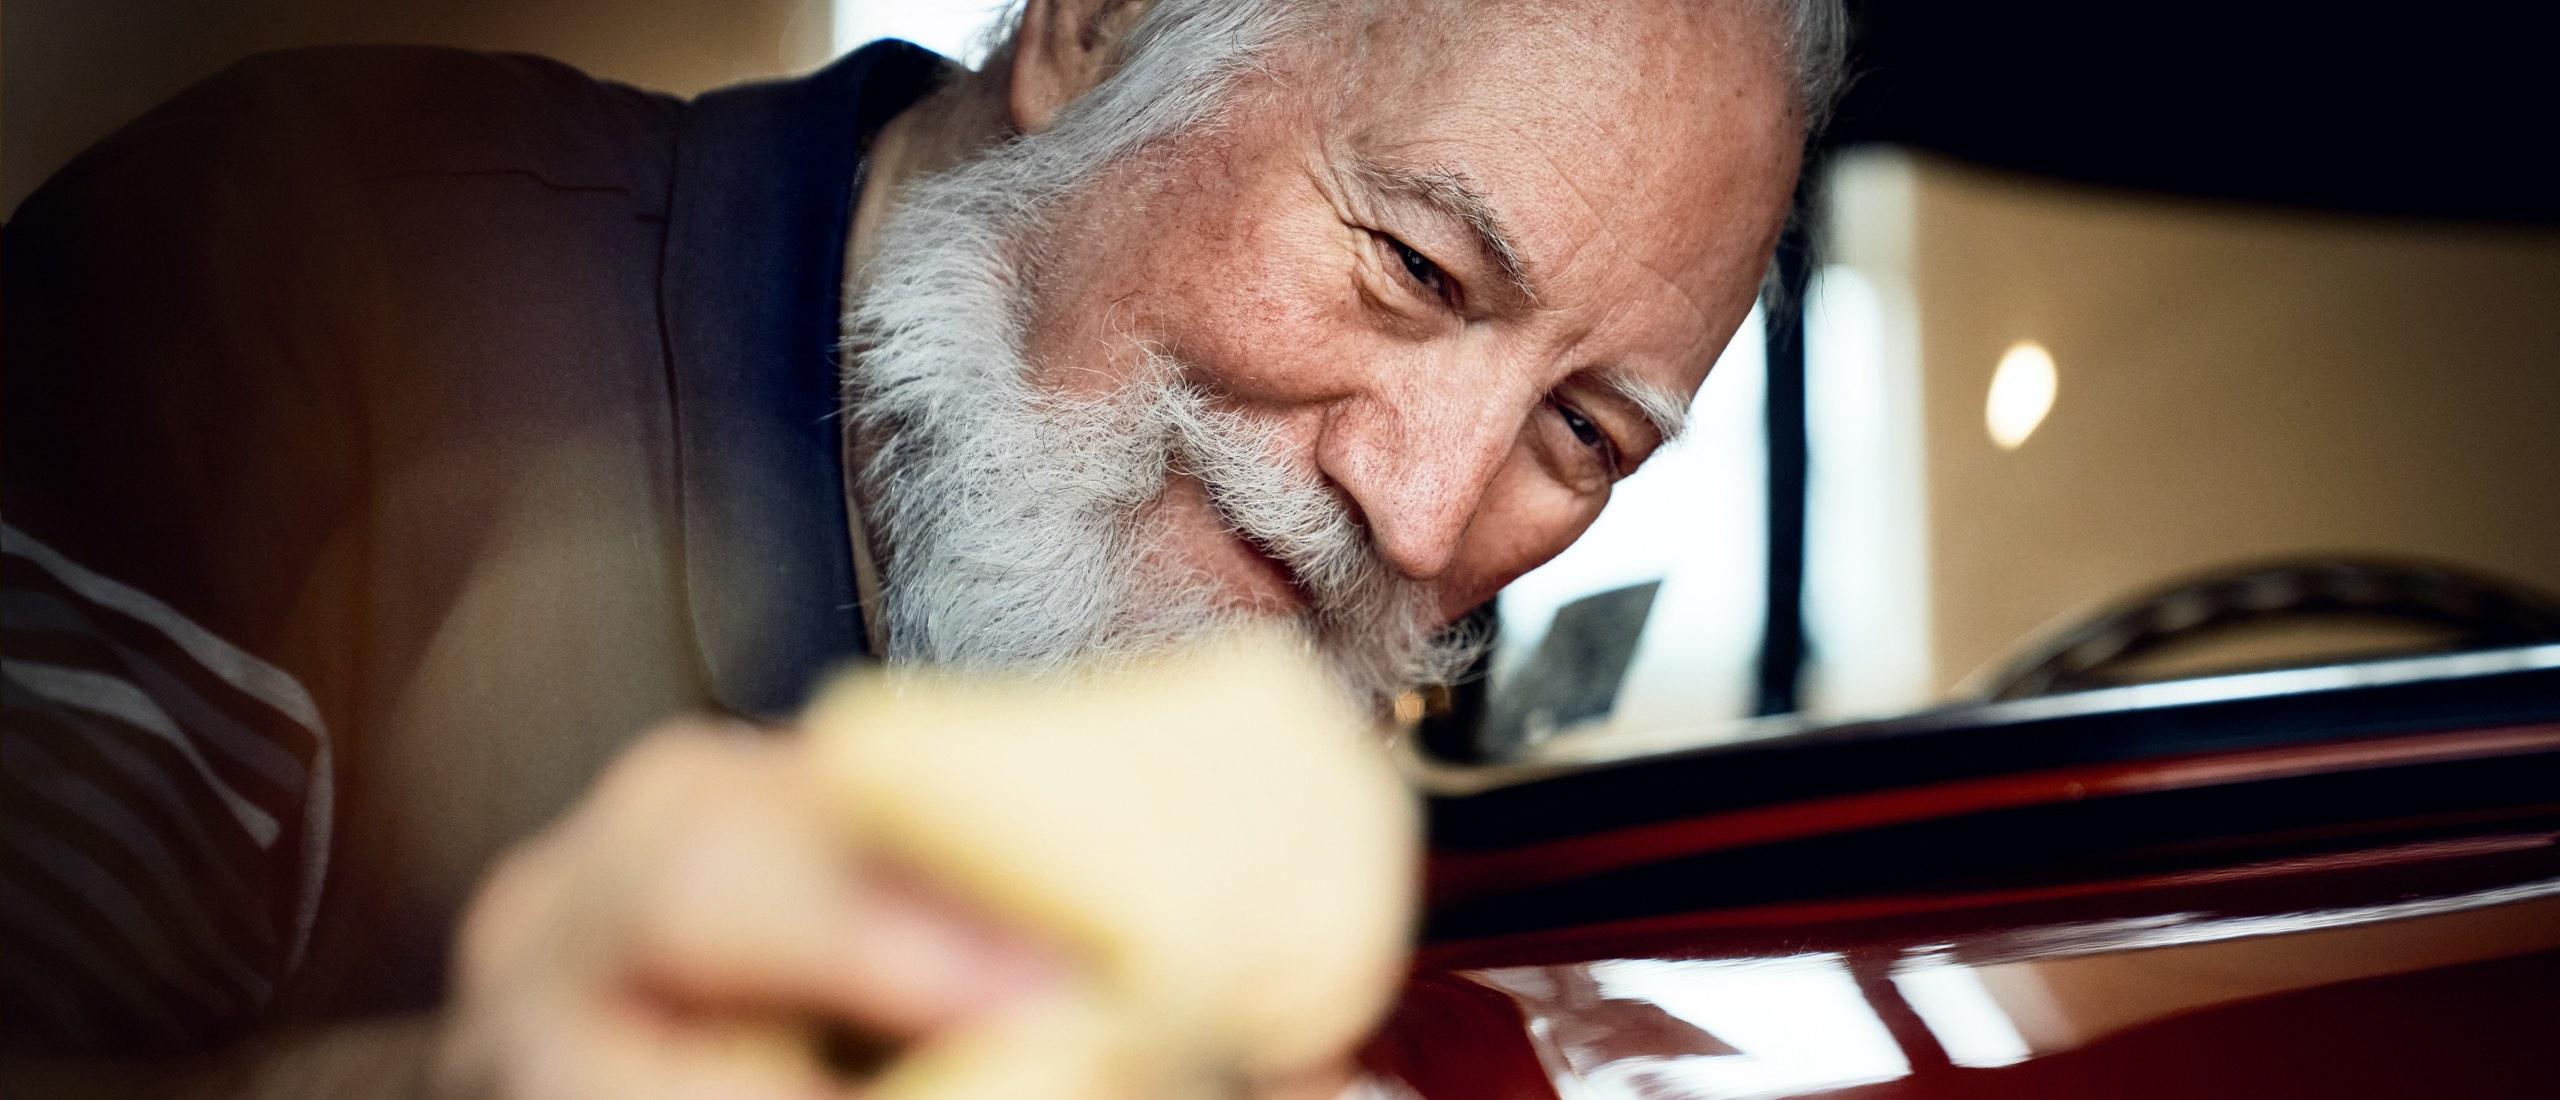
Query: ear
{"points": [[1063, 49]]}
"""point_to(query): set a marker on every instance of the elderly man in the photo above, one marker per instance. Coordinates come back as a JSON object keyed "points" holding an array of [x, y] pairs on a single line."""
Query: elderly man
{"points": [[390, 433]]}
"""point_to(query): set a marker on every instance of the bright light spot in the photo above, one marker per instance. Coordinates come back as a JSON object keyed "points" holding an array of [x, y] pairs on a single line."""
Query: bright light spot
{"points": [[2021, 394], [1799, 1025], [1950, 998], [952, 28]]}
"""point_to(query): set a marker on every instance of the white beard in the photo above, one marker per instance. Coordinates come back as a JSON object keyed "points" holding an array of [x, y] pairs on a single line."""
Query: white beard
{"points": [[1007, 516]]}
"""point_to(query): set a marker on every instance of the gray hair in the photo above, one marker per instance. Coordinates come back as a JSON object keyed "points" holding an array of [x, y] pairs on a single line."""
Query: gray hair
{"points": [[1172, 71], [1009, 514], [1005, 511], [1814, 34]]}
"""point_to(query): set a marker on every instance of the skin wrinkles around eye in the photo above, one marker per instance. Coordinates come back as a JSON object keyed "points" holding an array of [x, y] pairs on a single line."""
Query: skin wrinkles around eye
{"points": [[1419, 269], [1587, 431], [1429, 278]]}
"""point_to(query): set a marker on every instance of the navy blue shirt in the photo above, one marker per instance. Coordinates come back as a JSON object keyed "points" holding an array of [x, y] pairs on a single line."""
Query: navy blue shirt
{"points": [[390, 434]]}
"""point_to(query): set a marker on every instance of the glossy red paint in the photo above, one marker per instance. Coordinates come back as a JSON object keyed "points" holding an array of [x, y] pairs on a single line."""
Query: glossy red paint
{"points": [[2193, 985], [2349, 942], [1465, 876]]}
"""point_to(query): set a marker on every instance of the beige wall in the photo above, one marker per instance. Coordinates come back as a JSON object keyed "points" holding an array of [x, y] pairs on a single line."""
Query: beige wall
{"points": [[2234, 383], [71, 71]]}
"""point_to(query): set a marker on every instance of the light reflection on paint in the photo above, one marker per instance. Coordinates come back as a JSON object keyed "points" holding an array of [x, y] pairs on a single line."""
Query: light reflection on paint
{"points": [[1800, 1025], [1793, 1025], [1949, 997]]}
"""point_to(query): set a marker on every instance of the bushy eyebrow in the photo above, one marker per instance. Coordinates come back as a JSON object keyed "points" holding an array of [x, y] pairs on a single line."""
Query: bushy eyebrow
{"points": [[1452, 192], [1667, 411]]}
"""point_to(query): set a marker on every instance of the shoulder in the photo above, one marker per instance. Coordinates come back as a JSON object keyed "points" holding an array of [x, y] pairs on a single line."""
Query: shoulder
{"points": [[346, 114], [387, 110]]}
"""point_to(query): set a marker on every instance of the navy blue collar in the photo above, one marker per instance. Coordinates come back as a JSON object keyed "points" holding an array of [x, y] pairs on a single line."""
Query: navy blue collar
{"points": [[752, 298]]}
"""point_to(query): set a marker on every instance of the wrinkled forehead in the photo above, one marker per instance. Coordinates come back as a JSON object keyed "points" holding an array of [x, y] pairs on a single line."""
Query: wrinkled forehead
{"points": [[1633, 148]]}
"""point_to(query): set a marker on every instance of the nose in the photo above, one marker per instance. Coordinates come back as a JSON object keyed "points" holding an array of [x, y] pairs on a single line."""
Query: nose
{"points": [[1418, 462]]}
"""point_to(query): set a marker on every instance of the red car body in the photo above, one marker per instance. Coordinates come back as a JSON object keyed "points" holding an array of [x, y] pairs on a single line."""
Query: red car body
{"points": [[2327, 882]]}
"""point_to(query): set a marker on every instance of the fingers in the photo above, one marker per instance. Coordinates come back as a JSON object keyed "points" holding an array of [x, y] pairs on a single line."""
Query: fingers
{"points": [[699, 926], [927, 963], [759, 904], [603, 1052]]}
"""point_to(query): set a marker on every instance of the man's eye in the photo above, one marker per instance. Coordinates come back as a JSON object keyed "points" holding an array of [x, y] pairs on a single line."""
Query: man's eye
{"points": [[1589, 434], [1421, 268]]}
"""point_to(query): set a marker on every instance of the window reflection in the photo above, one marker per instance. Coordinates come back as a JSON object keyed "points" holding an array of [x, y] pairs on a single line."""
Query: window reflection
{"points": [[1967, 1021], [1728, 1029]]}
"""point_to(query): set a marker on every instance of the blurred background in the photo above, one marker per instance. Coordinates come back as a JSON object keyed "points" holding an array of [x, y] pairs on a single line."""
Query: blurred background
{"points": [[71, 71], [2118, 342], [2089, 302]]}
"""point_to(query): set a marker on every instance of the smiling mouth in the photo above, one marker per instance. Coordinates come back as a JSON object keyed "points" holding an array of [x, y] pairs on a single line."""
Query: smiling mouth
{"points": [[1262, 551]]}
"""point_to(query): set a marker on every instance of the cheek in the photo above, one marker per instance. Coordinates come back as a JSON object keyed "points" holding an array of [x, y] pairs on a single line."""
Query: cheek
{"points": [[1527, 520], [1244, 277], [1258, 298]]}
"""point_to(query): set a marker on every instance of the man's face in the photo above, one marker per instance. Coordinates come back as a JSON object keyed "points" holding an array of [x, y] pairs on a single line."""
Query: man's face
{"points": [[1453, 279], [1312, 264]]}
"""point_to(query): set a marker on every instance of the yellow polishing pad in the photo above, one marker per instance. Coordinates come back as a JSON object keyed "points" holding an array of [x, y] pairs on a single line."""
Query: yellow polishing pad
{"points": [[1217, 842]]}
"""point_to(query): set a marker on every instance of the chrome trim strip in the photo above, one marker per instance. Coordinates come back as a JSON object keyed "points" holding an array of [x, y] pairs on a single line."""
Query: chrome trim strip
{"points": [[1596, 744]]}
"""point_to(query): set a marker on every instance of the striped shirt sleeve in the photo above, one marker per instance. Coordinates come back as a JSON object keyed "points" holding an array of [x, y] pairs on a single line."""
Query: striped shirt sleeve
{"points": [[164, 815], [181, 465]]}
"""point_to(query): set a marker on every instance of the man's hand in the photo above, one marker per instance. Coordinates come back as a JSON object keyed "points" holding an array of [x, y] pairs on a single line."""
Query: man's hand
{"points": [[1217, 864], [701, 926]]}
